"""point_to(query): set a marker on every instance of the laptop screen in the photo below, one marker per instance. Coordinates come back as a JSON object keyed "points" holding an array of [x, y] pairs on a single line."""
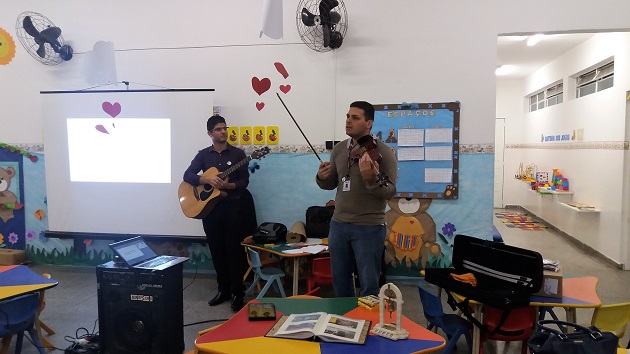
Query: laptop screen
{"points": [[133, 251]]}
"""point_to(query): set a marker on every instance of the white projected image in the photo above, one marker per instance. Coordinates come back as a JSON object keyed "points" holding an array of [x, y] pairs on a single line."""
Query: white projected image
{"points": [[134, 150]]}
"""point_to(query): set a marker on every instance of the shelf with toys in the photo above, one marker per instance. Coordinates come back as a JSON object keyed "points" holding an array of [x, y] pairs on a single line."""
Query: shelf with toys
{"points": [[557, 188], [581, 207]]}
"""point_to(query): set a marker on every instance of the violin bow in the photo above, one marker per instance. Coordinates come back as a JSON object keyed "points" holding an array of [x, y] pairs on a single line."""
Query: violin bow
{"points": [[298, 126]]}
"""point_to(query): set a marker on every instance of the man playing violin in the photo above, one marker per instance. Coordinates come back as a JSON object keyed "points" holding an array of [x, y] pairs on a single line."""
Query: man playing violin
{"points": [[364, 170]]}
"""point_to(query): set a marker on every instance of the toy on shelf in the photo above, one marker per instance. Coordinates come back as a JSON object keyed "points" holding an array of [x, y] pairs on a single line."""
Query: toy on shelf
{"points": [[559, 182], [527, 174]]}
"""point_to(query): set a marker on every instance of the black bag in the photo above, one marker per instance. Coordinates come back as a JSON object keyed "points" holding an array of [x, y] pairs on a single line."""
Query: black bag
{"points": [[270, 232], [318, 220], [582, 341], [506, 277]]}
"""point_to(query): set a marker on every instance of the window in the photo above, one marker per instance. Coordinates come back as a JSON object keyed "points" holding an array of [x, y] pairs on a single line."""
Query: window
{"points": [[595, 80], [545, 98]]}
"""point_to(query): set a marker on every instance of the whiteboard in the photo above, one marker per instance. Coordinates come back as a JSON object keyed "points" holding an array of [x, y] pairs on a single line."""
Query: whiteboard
{"points": [[146, 206]]}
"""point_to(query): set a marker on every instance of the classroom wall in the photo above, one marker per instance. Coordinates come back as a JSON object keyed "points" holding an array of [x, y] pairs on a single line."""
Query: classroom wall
{"points": [[421, 51], [594, 166]]}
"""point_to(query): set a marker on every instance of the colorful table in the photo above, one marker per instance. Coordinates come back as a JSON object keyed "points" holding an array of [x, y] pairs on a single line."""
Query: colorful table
{"points": [[16, 280], [577, 292], [239, 335]]}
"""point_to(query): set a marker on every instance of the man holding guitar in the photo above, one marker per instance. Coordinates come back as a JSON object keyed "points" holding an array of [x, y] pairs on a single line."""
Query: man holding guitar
{"points": [[363, 169], [230, 218]]}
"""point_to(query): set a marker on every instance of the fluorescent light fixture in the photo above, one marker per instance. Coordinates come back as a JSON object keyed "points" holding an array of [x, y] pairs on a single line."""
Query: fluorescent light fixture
{"points": [[532, 40], [503, 70]]}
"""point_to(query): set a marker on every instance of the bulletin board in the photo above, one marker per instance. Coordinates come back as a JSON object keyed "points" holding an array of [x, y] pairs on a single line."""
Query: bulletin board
{"points": [[425, 138]]}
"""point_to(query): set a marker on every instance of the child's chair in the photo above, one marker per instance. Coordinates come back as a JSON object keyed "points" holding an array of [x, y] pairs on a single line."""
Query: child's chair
{"points": [[321, 275], [520, 319], [271, 275], [19, 315], [452, 325], [612, 318]]}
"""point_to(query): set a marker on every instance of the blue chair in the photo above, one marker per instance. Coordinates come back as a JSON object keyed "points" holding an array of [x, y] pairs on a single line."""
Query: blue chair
{"points": [[271, 275], [18, 315], [452, 325]]}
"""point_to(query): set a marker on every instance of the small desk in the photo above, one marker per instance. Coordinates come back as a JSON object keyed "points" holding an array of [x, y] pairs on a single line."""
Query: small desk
{"points": [[239, 335], [578, 292], [16, 280], [277, 250]]}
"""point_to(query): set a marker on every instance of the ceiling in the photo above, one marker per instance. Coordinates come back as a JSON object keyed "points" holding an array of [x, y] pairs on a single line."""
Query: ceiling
{"points": [[521, 60]]}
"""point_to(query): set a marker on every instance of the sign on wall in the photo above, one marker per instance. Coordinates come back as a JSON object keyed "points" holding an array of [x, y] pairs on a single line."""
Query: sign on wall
{"points": [[425, 139]]}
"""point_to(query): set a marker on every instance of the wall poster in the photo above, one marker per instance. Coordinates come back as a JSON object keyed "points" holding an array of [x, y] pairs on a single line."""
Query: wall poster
{"points": [[425, 139]]}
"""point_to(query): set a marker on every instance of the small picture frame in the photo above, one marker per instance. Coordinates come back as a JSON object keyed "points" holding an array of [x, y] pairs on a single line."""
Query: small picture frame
{"points": [[261, 312]]}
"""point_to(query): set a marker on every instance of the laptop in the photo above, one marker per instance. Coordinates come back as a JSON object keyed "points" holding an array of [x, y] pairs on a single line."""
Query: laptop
{"points": [[137, 254]]}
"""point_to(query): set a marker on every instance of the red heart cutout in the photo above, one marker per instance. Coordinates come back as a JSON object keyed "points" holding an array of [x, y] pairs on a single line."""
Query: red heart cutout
{"points": [[261, 86], [260, 105], [411, 221], [285, 88]]}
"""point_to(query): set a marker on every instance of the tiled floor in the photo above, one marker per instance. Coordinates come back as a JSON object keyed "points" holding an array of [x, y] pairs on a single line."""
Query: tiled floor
{"points": [[72, 306]]}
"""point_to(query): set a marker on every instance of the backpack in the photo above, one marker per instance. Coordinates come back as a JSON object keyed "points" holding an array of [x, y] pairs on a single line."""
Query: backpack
{"points": [[270, 232], [318, 220]]}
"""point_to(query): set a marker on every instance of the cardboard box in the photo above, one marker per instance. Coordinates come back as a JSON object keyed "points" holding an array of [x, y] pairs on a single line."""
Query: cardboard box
{"points": [[10, 257], [552, 284]]}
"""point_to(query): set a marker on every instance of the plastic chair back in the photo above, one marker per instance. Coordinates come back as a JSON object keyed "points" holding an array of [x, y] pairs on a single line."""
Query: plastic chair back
{"points": [[520, 319], [18, 315], [322, 275], [452, 325], [431, 304], [612, 318], [271, 275]]}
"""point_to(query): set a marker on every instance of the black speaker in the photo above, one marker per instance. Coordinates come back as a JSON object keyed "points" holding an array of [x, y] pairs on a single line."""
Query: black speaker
{"points": [[140, 311]]}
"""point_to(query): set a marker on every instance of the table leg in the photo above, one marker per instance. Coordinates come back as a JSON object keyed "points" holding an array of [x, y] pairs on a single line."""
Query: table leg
{"points": [[296, 268], [571, 314]]}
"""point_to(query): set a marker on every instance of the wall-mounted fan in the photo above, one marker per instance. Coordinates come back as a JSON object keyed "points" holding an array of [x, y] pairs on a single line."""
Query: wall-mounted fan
{"points": [[42, 39], [322, 24]]}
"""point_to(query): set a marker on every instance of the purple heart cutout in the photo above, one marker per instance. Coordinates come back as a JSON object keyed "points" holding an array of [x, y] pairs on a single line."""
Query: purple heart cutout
{"points": [[112, 109]]}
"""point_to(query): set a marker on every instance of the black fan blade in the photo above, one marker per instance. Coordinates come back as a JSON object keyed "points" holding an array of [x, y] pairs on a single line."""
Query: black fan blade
{"points": [[325, 7], [41, 51], [28, 26], [335, 17], [308, 19], [50, 35], [326, 35]]}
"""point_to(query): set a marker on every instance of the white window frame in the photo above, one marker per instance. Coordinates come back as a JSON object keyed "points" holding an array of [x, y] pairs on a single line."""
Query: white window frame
{"points": [[550, 96], [595, 80]]}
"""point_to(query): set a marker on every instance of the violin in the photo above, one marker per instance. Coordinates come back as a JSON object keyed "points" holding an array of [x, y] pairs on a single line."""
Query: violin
{"points": [[367, 145]]}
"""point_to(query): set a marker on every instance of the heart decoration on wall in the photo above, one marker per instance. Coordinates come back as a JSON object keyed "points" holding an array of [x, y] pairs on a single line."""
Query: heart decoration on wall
{"points": [[285, 88], [261, 86]]}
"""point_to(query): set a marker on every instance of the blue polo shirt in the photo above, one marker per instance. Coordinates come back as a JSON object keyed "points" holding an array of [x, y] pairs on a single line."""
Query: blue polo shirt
{"points": [[223, 160]]}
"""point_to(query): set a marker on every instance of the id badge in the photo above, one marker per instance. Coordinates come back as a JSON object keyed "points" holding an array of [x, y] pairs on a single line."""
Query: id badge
{"points": [[346, 185]]}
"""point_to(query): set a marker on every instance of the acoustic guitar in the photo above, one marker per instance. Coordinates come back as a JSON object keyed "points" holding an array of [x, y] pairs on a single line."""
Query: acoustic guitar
{"points": [[198, 201]]}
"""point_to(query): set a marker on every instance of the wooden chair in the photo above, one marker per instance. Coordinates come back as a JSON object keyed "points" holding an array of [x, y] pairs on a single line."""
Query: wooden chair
{"points": [[39, 324]]}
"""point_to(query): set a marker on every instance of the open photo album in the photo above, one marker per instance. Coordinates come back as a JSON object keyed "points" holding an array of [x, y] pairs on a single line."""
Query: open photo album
{"points": [[321, 326]]}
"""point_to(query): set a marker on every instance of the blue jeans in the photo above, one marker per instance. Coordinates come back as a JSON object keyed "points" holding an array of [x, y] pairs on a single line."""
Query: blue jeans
{"points": [[364, 244]]}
